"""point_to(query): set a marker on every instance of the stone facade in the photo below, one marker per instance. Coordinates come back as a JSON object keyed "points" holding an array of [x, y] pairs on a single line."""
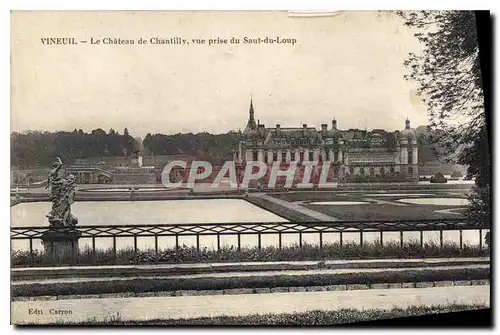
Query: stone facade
{"points": [[353, 154]]}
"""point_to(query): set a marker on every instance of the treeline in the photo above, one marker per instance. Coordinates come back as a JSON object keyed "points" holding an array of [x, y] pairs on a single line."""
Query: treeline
{"points": [[34, 148], [203, 146]]}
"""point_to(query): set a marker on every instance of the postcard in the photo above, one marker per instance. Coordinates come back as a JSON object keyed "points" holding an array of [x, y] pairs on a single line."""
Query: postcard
{"points": [[248, 167]]}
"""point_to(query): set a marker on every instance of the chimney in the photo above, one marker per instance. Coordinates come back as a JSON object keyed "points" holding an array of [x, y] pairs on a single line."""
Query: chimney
{"points": [[324, 127]]}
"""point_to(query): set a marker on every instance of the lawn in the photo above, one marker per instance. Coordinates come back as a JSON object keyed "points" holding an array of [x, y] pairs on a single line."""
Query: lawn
{"points": [[384, 211]]}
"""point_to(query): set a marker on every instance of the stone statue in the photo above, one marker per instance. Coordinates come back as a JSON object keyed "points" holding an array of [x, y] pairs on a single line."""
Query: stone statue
{"points": [[62, 196]]}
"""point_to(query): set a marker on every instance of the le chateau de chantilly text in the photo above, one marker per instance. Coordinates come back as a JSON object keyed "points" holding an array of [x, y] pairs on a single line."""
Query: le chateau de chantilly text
{"points": [[168, 41]]}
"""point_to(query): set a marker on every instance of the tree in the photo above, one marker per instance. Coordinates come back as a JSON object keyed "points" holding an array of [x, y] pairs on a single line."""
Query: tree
{"points": [[448, 75]]}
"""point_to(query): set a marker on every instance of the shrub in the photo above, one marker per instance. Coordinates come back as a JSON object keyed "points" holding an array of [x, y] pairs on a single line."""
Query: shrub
{"points": [[189, 254]]}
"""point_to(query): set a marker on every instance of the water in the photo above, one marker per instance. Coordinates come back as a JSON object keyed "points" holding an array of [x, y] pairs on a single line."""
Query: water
{"points": [[198, 211], [126, 190], [145, 212]]}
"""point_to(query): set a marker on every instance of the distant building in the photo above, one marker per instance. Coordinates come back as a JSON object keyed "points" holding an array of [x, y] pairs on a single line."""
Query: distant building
{"points": [[352, 153]]}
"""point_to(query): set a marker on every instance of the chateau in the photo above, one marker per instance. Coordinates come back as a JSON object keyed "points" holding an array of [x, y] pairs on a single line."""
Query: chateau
{"points": [[353, 154]]}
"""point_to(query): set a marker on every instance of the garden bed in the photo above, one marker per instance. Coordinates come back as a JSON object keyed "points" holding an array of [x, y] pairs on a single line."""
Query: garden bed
{"points": [[200, 283], [308, 252]]}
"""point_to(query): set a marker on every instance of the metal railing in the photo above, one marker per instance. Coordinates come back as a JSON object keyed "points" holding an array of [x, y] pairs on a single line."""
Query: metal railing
{"points": [[219, 230]]}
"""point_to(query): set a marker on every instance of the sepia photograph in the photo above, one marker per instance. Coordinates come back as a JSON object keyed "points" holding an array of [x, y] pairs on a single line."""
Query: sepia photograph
{"points": [[250, 168]]}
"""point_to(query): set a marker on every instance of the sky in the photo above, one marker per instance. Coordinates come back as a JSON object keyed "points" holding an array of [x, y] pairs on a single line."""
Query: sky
{"points": [[347, 66]]}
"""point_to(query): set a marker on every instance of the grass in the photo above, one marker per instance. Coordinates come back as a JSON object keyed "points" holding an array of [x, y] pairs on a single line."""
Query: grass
{"points": [[253, 281], [377, 212], [279, 210], [187, 254], [311, 318]]}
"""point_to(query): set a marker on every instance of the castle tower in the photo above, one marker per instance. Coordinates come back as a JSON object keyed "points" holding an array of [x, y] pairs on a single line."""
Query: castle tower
{"points": [[251, 125]]}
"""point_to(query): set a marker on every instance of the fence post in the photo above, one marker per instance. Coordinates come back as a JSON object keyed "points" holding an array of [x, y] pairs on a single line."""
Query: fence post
{"points": [[30, 259], [461, 240], [114, 249], [135, 249], [441, 239], [156, 248], [93, 249], [341, 252], [176, 248], [198, 246], [480, 239]]}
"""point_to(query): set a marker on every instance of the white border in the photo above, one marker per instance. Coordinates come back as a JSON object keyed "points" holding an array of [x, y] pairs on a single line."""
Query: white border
{"points": [[180, 5]]}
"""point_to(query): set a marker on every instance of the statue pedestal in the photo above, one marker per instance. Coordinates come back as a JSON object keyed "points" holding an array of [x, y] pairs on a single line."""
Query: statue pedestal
{"points": [[61, 246]]}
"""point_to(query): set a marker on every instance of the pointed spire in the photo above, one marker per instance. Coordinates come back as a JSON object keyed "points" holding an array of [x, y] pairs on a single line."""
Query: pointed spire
{"points": [[251, 111], [251, 118], [407, 123]]}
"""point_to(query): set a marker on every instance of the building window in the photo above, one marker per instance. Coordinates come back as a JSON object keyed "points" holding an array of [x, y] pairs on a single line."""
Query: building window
{"points": [[351, 170], [255, 156], [336, 172], [301, 157], [311, 156], [283, 157], [292, 156], [392, 171], [362, 171], [320, 158], [372, 172], [410, 156], [336, 156], [382, 171], [275, 156], [410, 171], [266, 157], [292, 141], [327, 155]]}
